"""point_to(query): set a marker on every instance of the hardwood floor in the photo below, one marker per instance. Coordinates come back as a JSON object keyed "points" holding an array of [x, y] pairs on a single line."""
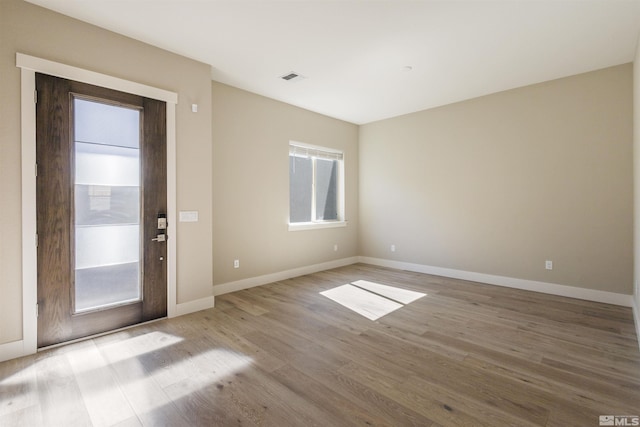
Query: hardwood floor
{"points": [[465, 354]]}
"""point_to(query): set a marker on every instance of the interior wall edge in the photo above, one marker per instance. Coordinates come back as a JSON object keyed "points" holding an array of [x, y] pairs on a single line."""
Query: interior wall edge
{"points": [[636, 317], [509, 282], [636, 189]]}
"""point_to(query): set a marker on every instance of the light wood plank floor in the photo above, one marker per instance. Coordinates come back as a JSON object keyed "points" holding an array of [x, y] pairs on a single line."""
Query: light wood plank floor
{"points": [[466, 354]]}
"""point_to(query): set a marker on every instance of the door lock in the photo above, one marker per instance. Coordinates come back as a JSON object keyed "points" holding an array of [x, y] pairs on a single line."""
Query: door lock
{"points": [[162, 221]]}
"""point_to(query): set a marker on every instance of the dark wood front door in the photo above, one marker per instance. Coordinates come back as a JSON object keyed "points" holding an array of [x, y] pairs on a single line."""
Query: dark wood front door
{"points": [[101, 187]]}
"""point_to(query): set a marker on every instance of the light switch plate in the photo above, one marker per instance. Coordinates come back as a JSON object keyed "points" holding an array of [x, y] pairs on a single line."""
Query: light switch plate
{"points": [[188, 216]]}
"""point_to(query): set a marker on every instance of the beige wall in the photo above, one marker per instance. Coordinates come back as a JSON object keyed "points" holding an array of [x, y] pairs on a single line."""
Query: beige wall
{"points": [[493, 185], [251, 137], [501, 183], [35, 31]]}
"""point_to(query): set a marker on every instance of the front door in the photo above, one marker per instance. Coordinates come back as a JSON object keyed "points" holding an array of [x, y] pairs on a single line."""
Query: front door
{"points": [[101, 209]]}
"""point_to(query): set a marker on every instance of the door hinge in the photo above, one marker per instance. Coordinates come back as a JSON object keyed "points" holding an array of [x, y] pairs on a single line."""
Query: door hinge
{"points": [[35, 96], [37, 311], [36, 169], [36, 240]]}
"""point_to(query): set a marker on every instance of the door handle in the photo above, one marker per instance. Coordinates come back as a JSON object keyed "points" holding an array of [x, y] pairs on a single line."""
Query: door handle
{"points": [[160, 238]]}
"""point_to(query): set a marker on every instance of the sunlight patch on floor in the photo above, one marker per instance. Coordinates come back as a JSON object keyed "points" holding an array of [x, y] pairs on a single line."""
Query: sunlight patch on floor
{"points": [[145, 343], [142, 344], [206, 369], [155, 379], [371, 300], [403, 296]]}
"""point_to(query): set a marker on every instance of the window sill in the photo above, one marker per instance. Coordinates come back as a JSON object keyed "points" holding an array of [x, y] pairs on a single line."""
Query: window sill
{"points": [[299, 226]]}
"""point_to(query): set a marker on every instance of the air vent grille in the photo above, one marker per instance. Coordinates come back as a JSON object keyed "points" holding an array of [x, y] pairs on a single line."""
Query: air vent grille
{"points": [[292, 77]]}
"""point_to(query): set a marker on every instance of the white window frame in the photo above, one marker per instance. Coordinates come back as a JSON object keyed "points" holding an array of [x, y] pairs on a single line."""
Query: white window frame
{"points": [[308, 149]]}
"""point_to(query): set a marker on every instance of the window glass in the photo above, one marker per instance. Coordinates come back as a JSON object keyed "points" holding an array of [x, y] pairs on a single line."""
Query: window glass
{"points": [[104, 131], [326, 189], [106, 204], [300, 189]]}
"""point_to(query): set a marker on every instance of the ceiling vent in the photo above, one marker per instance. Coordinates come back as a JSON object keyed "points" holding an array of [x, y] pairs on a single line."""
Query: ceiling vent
{"points": [[292, 77]]}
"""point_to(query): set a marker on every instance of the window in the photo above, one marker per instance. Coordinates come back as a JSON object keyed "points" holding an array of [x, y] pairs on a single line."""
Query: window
{"points": [[316, 196]]}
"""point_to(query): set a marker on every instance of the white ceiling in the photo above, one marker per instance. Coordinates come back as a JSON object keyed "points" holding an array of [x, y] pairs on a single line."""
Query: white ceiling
{"points": [[353, 52]]}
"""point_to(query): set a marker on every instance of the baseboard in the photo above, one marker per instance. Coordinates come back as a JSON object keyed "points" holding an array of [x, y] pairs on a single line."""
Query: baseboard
{"points": [[16, 349], [252, 282], [509, 282], [636, 317], [193, 306], [11, 350]]}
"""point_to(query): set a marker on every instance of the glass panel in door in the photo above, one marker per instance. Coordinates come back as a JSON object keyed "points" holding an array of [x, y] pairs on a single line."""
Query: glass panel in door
{"points": [[107, 205]]}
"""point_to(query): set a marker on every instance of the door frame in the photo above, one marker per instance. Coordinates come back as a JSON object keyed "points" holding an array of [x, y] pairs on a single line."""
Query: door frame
{"points": [[29, 65]]}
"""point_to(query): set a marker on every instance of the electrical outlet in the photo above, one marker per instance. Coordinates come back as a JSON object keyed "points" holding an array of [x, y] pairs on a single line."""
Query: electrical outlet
{"points": [[393, 248], [236, 263], [335, 247], [548, 265]]}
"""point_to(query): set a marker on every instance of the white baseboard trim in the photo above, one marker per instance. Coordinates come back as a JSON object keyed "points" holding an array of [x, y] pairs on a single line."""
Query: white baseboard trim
{"points": [[509, 282], [11, 350], [636, 317], [252, 282], [193, 306]]}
